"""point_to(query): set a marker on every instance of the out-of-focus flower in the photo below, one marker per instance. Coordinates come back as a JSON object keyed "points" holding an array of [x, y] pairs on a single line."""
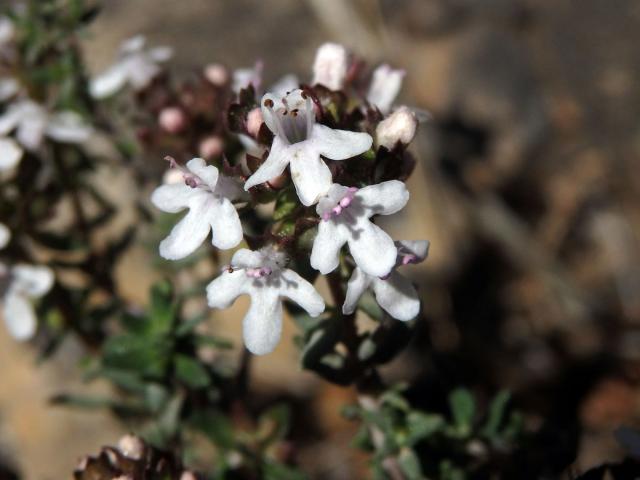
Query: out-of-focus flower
{"points": [[393, 292], [211, 147], [208, 196], [254, 121], [399, 127], [173, 120], [299, 141], [136, 66], [19, 284], [243, 77], [345, 214], [8, 88], [7, 31], [216, 74], [32, 122], [262, 275], [10, 153], [330, 66], [385, 87]]}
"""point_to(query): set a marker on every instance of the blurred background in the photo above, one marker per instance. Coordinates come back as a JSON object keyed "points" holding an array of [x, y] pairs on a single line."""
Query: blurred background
{"points": [[527, 186]]}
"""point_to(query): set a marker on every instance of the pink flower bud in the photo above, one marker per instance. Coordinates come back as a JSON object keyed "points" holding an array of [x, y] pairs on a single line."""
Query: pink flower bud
{"points": [[187, 475], [172, 120], [399, 127], [254, 121], [211, 147], [216, 74]]}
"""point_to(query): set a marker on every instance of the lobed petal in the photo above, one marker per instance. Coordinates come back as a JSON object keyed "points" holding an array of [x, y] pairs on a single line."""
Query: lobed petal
{"points": [[310, 175], [384, 198], [358, 284], [339, 144], [223, 291], [372, 249], [397, 296], [262, 325], [245, 258], [274, 165], [189, 233], [325, 253], [300, 291], [175, 197], [226, 229], [109, 82], [207, 173], [68, 127]]}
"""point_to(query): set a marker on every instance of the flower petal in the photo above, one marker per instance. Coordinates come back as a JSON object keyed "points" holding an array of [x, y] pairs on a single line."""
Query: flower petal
{"points": [[385, 86], [419, 248], [372, 249], [175, 197], [19, 316], [8, 88], [109, 82], [5, 235], [34, 281], [224, 290], [269, 113], [160, 54], [285, 85], [300, 291], [325, 254], [358, 284], [245, 258], [190, 232], [226, 229], [207, 173], [10, 153], [68, 127], [330, 66], [31, 131], [230, 188], [339, 144], [397, 296], [262, 325], [384, 198], [310, 175], [274, 165], [10, 119]]}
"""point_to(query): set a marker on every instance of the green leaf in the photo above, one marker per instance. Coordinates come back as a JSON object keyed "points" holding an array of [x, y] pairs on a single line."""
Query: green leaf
{"points": [[423, 425], [463, 410], [272, 470], [275, 422], [162, 311], [286, 203], [148, 357], [216, 426], [496, 414], [410, 464], [189, 371]]}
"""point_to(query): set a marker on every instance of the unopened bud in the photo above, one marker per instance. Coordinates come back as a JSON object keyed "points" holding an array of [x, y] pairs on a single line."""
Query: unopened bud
{"points": [[172, 120], [216, 74], [187, 475], [330, 66], [254, 121], [131, 447], [211, 147], [399, 127]]}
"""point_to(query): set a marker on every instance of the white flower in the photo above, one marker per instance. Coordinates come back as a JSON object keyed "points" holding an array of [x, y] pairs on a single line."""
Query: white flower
{"points": [[7, 31], [330, 66], [243, 77], [10, 153], [32, 122], [8, 88], [399, 127], [299, 141], [385, 86], [393, 292], [208, 196], [18, 285], [345, 214], [136, 66], [262, 275]]}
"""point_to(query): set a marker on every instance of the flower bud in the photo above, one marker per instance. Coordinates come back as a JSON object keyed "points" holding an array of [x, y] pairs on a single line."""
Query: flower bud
{"points": [[330, 66], [131, 447], [211, 147], [216, 74], [399, 127], [187, 475], [254, 121], [172, 120]]}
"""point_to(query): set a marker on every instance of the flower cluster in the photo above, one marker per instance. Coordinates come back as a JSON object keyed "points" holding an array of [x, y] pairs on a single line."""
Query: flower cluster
{"points": [[346, 161]]}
